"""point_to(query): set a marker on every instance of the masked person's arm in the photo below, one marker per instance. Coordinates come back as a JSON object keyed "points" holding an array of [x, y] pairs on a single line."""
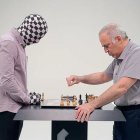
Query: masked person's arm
{"points": [[9, 84]]}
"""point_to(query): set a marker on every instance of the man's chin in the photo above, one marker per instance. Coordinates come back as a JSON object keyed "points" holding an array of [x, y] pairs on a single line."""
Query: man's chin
{"points": [[112, 55]]}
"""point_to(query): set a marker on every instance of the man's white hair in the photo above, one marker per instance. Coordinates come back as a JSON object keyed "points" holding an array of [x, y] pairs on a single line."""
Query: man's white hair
{"points": [[113, 30]]}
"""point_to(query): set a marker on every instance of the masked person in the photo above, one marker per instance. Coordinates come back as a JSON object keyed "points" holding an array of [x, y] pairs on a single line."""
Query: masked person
{"points": [[13, 73]]}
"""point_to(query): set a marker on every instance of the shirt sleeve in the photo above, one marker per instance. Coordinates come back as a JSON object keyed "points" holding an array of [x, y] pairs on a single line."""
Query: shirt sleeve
{"points": [[8, 83], [110, 69], [132, 66]]}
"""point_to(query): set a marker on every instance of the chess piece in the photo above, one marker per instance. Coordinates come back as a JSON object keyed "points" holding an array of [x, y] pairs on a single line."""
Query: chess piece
{"points": [[86, 98], [75, 98], [80, 99], [89, 99], [42, 97], [68, 101], [62, 102], [74, 101]]}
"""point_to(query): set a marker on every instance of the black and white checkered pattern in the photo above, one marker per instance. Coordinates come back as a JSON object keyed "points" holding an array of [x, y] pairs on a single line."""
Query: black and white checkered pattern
{"points": [[33, 28], [34, 98]]}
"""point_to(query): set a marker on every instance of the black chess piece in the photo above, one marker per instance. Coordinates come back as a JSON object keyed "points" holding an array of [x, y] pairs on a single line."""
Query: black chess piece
{"points": [[80, 99], [86, 98]]}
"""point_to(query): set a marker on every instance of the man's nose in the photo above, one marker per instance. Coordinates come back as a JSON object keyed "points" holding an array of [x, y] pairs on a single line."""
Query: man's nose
{"points": [[106, 50]]}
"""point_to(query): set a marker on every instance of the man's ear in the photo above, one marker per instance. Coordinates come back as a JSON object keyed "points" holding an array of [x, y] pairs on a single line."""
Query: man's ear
{"points": [[118, 38]]}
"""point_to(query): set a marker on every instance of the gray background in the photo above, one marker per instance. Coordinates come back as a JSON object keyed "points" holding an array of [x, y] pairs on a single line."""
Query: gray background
{"points": [[71, 46]]}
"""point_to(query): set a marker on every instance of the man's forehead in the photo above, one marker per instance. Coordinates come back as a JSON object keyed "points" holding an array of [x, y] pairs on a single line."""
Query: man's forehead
{"points": [[104, 37], [104, 34]]}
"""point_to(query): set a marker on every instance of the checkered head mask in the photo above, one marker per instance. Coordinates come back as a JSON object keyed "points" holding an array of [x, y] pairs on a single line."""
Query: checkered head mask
{"points": [[33, 28]]}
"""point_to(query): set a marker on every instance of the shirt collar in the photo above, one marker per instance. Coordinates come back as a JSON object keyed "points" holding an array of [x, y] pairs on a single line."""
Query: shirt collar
{"points": [[125, 51], [17, 37]]}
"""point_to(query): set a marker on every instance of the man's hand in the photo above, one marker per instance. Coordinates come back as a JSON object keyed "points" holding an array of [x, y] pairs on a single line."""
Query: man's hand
{"points": [[73, 79], [83, 111]]}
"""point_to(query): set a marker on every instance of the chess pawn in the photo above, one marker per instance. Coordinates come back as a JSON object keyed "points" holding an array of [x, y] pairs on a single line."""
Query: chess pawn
{"points": [[62, 102], [89, 98], [74, 97], [93, 97], [74, 102], [68, 103], [42, 97]]}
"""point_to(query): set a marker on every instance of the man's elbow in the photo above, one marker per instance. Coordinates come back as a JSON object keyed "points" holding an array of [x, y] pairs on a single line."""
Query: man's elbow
{"points": [[123, 90]]}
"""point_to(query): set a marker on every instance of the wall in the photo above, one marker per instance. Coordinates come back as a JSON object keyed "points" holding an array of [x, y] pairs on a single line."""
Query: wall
{"points": [[71, 46]]}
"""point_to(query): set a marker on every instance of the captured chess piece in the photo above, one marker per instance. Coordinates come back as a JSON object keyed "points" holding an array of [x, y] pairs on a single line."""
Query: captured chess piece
{"points": [[80, 99]]}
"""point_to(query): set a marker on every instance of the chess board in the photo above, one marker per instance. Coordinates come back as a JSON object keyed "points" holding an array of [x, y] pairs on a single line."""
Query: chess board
{"points": [[55, 104], [68, 102]]}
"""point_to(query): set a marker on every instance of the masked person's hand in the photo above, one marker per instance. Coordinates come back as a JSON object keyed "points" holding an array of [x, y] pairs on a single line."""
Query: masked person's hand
{"points": [[34, 98]]}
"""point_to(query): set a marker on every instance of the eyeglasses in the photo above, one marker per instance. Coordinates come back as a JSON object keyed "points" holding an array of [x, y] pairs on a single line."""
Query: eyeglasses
{"points": [[106, 46]]}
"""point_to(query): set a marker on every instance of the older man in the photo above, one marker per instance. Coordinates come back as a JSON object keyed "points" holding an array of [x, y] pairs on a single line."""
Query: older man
{"points": [[124, 70]]}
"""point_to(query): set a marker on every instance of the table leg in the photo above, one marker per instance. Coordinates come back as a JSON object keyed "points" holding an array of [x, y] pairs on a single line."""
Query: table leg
{"points": [[69, 130]]}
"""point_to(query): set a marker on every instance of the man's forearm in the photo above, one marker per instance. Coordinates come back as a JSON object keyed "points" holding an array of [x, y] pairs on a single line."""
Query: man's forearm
{"points": [[94, 78], [13, 90], [108, 96], [114, 92]]}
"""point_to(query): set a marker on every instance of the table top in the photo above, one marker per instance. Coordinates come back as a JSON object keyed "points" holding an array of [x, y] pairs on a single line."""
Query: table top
{"points": [[35, 112]]}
